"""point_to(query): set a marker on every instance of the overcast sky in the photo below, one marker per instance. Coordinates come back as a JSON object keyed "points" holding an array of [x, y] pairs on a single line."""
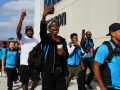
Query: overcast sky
{"points": [[10, 11]]}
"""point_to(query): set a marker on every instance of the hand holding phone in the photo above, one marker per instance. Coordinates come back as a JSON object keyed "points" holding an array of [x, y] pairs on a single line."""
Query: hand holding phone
{"points": [[23, 14], [83, 33], [50, 5]]}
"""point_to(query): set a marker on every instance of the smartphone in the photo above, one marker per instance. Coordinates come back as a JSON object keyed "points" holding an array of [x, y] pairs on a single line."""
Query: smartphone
{"points": [[83, 31], [24, 10], [49, 5]]}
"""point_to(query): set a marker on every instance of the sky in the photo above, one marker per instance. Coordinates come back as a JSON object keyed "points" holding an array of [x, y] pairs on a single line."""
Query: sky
{"points": [[10, 12]]}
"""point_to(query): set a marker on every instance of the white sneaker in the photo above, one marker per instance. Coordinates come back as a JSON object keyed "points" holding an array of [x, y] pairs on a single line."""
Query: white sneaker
{"points": [[4, 75]]}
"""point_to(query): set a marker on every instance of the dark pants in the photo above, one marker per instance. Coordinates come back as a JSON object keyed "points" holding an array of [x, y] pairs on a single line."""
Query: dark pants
{"points": [[0, 63], [77, 72], [11, 73], [88, 62], [49, 82]]}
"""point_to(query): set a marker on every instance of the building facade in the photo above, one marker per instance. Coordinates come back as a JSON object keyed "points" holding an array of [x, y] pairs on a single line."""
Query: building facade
{"points": [[75, 15]]}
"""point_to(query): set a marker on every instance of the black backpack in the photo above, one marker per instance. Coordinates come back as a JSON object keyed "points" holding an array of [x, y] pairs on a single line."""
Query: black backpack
{"points": [[109, 57], [37, 57]]}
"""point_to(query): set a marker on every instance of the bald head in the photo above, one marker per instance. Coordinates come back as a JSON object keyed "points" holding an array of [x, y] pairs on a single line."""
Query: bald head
{"points": [[88, 34]]}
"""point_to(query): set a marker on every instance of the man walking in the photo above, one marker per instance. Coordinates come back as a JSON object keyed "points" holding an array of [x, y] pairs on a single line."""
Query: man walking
{"points": [[74, 61], [107, 61], [10, 56], [87, 42], [27, 44]]}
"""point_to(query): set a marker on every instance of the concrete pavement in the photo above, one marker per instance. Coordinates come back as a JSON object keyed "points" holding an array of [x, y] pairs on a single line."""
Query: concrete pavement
{"points": [[72, 85]]}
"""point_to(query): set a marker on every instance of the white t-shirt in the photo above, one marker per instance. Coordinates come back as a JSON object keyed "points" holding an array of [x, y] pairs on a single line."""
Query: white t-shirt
{"points": [[27, 45]]}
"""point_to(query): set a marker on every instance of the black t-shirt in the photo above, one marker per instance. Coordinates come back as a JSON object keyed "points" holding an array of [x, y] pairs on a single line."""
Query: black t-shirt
{"points": [[58, 58]]}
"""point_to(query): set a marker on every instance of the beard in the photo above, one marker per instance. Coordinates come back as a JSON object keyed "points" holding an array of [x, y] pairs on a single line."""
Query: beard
{"points": [[30, 36]]}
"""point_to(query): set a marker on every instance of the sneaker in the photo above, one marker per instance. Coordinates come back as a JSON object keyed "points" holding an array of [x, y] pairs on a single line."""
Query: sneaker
{"points": [[4, 75], [0, 74], [89, 86]]}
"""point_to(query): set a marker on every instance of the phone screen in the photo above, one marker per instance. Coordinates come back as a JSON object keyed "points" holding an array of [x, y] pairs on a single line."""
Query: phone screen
{"points": [[24, 10]]}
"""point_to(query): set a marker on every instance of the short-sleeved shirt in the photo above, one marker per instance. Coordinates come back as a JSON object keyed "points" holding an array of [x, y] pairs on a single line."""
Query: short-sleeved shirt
{"points": [[3, 51], [27, 45], [112, 74], [0, 53], [10, 57], [85, 44]]}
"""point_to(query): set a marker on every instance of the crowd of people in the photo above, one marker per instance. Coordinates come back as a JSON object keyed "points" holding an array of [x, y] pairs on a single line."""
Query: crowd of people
{"points": [[62, 64]]}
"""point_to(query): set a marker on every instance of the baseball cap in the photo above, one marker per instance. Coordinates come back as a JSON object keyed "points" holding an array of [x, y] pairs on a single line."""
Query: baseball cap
{"points": [[113, 27], [29, 27]]}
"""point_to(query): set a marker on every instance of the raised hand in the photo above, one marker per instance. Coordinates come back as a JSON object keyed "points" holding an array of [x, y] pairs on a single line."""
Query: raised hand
{"points": [[48, 10], [23, 16], [83, 35]]}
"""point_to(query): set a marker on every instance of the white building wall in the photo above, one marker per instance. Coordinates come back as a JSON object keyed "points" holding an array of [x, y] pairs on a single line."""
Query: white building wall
{"points": [[37, 18], [91, 15]]}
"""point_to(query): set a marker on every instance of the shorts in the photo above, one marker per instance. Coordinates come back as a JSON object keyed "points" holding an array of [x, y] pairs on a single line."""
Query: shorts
{"points": [[0, 63], [25, 73]]}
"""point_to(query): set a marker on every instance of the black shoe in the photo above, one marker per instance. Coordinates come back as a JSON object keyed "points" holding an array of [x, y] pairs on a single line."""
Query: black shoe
{"points": [[89, 86], [85, 89]]}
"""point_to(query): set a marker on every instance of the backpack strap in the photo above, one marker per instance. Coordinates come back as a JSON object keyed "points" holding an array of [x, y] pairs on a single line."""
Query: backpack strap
{"points": [[6, 52], [110, 48]]}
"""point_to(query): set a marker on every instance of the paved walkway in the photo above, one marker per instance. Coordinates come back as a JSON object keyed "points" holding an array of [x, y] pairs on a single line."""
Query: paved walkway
{"points": [[72, 86]]}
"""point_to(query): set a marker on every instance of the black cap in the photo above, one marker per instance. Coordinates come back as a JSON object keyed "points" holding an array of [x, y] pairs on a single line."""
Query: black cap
{"points": [[113, 27]]}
